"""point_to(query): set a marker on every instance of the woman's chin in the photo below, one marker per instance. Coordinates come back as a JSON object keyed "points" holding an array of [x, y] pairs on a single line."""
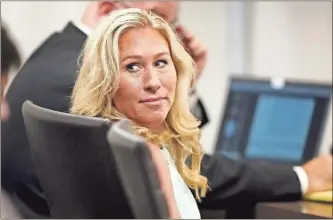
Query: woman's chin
{"points": [[153, 121]]}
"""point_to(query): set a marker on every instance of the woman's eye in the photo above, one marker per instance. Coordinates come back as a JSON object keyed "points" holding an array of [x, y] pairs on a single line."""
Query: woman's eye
{"points": [[161, 63], [133, 67]]}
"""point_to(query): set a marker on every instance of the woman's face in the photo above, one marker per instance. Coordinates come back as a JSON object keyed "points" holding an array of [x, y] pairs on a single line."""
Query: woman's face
{"points": [[147, 78]]}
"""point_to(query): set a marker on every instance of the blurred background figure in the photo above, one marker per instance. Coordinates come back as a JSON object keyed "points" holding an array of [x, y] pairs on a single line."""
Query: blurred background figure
{"points": [[9, 58]]}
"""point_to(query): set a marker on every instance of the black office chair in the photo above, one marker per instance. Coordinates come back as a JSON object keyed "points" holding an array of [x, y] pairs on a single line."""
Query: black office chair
{"points": [[74, 164]]}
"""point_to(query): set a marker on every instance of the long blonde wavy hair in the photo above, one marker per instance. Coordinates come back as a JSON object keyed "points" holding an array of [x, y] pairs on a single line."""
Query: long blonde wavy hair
{"points": [[98, 80]]}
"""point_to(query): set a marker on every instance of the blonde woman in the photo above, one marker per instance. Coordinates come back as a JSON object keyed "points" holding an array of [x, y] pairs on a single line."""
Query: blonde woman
{"points": [[134, 67]]}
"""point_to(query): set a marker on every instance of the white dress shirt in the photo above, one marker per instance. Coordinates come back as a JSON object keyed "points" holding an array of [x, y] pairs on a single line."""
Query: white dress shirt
{"points": [[186, 203], [301, 174]]}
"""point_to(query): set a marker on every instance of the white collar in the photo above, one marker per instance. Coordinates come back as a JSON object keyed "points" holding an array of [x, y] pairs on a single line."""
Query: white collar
{"points": [[82, 27]]}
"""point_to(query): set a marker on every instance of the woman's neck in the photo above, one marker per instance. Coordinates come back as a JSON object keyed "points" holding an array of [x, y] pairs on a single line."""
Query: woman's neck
{"points": [[157, 129]]}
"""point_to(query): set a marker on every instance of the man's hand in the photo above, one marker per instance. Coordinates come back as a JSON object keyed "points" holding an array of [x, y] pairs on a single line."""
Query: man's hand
{"points": [[319, 172], [165, 180], [96, 10], [194, 47]]}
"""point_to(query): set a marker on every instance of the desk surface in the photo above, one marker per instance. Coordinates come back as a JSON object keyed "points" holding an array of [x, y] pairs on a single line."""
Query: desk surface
{"points": [[300, 210]]}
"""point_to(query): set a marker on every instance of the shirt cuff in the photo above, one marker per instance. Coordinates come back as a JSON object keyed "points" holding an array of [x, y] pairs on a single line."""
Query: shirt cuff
{"points": [[303, 178], [82, 27]]}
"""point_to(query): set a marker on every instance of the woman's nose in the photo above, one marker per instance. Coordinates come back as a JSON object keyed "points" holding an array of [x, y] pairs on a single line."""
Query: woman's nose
{"points": [[152, 81]]}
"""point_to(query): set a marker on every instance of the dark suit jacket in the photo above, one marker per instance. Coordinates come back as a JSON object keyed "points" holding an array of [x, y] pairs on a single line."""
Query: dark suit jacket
{"points": [[47, 79]]}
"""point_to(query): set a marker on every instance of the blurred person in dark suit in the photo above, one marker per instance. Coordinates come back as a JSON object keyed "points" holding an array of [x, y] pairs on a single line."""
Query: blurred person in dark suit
{"points": [[47, 79], [9, 58]]}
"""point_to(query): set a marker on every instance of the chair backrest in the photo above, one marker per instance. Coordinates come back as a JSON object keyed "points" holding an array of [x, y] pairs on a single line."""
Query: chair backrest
{"points": [[75, 165], [138, 172]]}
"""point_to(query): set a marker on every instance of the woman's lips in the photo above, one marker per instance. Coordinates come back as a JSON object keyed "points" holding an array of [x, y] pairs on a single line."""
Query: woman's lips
{"points": [[151, 100]]}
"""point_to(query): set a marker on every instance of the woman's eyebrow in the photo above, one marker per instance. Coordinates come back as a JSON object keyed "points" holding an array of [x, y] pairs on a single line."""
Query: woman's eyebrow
{"points": [[140, 56], [131, 57], [162, 54]]}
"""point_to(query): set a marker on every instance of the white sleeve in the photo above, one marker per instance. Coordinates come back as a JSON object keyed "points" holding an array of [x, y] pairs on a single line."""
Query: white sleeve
{"points": [[84, 28], [303, 178]]}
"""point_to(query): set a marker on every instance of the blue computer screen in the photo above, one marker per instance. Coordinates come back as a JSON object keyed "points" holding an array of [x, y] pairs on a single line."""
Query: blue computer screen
{"points": [[275, 124], [280, 127]]}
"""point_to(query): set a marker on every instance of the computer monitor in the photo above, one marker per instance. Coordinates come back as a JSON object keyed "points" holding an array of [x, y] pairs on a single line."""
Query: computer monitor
{"points": [[273, 120]]}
